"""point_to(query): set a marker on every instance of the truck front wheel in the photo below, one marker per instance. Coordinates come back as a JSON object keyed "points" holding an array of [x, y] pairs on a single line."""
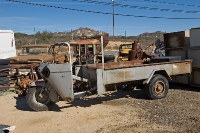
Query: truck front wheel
{"points": [[38, 100], [157, 87]]}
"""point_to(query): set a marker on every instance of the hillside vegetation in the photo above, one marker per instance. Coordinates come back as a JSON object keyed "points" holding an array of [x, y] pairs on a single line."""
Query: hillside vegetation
{"points": [[48, 37]]}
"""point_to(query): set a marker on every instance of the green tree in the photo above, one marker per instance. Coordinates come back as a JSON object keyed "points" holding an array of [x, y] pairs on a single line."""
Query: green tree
{"points": [[44, 37]]}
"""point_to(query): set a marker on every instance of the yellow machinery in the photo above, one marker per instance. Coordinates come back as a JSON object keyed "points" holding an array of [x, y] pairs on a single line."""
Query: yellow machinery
{"points": [[123, 51]]}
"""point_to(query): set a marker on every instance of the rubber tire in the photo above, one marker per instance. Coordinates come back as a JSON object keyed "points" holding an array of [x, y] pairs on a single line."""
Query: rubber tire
{"points": [[4, 80], [149, 88], [4, 62], [6, 88], [4, 74], [4, 66], [5, 84], [3, 89], [31, 100], [107, 57]]}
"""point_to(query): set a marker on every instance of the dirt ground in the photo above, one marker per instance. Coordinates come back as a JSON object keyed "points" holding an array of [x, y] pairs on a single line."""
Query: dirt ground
{"points": [[122, 111]]}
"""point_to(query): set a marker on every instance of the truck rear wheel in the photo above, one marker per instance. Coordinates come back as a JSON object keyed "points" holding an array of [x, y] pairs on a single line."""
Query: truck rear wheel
{"points": [[38, 101], [157, 87], [4, 61]]}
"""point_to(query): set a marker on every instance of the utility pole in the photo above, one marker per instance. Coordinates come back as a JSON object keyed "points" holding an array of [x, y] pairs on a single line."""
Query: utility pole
{"points": [[113, 18], [34, 36], [125, 35], [72, 35], [146, 37]]}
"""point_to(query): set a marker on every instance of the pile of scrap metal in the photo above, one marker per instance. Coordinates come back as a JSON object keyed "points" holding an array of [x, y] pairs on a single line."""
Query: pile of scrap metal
{"points": [[4, 80], [159, 50], [23, 67], [138, 54], [90, 49], [132, 51]]}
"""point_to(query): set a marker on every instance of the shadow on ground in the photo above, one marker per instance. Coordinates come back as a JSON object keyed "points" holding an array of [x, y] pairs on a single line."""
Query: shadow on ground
{"points": [[184, 87], [89, 101], [21, 103]]}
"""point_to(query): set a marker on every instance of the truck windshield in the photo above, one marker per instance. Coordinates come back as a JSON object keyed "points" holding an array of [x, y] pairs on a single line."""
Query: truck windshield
{"points": [[126, 46], [33, 50]]}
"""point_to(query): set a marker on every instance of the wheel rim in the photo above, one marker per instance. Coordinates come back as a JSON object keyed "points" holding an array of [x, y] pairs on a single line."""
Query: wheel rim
{"points": [[42, 97], [159, 88]]}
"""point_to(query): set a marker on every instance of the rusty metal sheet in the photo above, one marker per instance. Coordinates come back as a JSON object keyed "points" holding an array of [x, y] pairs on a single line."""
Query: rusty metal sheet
{"points": [[25, 58], [18, 66], [134, 73], [22, 66], [36, 46], [181, 68], [114, 65], [132, 55], [126, 71], [86, 42], [92, 40], [177, 39], [142, 72]]}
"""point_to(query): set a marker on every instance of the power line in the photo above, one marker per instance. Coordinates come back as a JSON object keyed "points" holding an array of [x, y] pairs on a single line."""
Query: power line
{"points": [[135, 7], [89, 11], [170, 3]]}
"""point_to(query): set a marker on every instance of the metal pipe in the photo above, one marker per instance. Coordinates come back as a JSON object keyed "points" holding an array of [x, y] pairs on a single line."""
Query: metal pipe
{"points": [[70, 58], [102, 52], [102, 49], [34, 36], [94, 52], [79, 53]]}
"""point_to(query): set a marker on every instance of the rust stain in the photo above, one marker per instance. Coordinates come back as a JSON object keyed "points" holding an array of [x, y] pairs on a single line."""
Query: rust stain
{"points": [[175, 39], [112, 65], [179, 68], [92, 40], [118, 75]]}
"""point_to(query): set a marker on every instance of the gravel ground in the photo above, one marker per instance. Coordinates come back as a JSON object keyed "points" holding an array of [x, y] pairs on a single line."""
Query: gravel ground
{"points": [[116, 112]]}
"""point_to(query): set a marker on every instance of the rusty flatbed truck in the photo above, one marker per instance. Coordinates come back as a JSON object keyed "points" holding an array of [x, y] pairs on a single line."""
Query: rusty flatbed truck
{"points": [[60, 83]]}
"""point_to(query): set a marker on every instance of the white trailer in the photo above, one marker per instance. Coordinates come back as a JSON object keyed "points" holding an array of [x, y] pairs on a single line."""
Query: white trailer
{"points": [[7, 44]]}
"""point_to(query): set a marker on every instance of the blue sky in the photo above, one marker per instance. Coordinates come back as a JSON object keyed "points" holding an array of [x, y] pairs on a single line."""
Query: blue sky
{"points": [[23, 17]]}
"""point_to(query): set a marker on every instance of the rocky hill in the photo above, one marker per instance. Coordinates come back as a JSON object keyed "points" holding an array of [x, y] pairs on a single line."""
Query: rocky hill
{"points": [[157, 34], [91, 32], [79, 32], [53, 37]]}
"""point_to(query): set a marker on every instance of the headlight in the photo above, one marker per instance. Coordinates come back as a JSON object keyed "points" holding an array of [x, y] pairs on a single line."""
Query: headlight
{"points": [[45, 72]]}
